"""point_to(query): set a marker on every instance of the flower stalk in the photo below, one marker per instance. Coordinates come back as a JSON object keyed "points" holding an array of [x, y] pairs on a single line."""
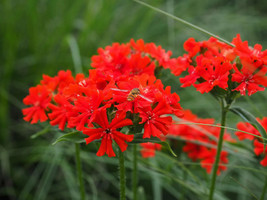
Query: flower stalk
{"points": [[224, 110], [79, 170], [122, 175]]}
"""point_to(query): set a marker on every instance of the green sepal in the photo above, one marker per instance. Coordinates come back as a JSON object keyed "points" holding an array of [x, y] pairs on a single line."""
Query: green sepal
{"points": [[74, 137], [138, 139], [248, 117]]}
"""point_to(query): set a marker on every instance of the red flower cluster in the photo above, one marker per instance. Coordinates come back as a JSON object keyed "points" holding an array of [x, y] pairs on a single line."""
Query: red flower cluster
{"points": [[200, 141], [213, 64], [257, 142], [121, 91]]}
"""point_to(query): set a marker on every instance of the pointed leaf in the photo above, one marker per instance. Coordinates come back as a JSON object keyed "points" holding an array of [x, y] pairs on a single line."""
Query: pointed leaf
{"points": [[75, 137], [41, 132]]}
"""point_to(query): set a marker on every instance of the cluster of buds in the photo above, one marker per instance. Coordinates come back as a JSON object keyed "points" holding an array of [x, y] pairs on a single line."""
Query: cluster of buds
{"points": [[121, 96]]}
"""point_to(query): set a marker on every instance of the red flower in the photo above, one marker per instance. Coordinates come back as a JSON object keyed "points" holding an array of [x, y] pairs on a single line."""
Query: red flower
{"points": [[248, 79], [214, 73], [208, 159], [171, 100], [191, 78], [259, 149], [149, 149], [39, 98], [113, 59], [192, 47], [159, 54], [183, 62], [84, 109], [155, 123], [214, 48], [140, 65], [193, 150], [108, 132], [245, 126], [155, 52], [60, 112], [139, 45], [251, 55], [258, 145], [59, 82], [121, 61], [210, 72]]}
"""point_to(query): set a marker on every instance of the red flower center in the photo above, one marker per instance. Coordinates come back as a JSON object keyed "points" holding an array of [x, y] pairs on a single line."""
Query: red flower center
{"points": [[107, 131], [248, 79], [37, 103]]}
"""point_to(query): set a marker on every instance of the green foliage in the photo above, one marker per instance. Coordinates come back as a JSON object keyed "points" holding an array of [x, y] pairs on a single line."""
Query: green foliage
{"points": [[73, 137]]}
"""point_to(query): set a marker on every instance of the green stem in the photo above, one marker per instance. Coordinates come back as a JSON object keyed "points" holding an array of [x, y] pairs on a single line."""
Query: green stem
{"points": [[224, 110], [134, 176], [79, 170], [185, 22], [264, 189], [122, 175]]}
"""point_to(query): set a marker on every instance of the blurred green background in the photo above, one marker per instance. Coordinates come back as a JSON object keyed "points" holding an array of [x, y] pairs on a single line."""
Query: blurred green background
{"points": [[42, 37]]}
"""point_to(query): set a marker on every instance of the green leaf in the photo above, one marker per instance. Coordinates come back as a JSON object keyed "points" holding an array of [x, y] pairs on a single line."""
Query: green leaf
{"points": [[138, 139], [41, 132], [248, 117], [75, 137]]}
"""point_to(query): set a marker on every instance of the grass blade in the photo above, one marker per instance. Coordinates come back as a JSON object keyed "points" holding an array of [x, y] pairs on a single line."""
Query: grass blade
{"points": [[185, 22], [251, 193], [75, 54]]}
